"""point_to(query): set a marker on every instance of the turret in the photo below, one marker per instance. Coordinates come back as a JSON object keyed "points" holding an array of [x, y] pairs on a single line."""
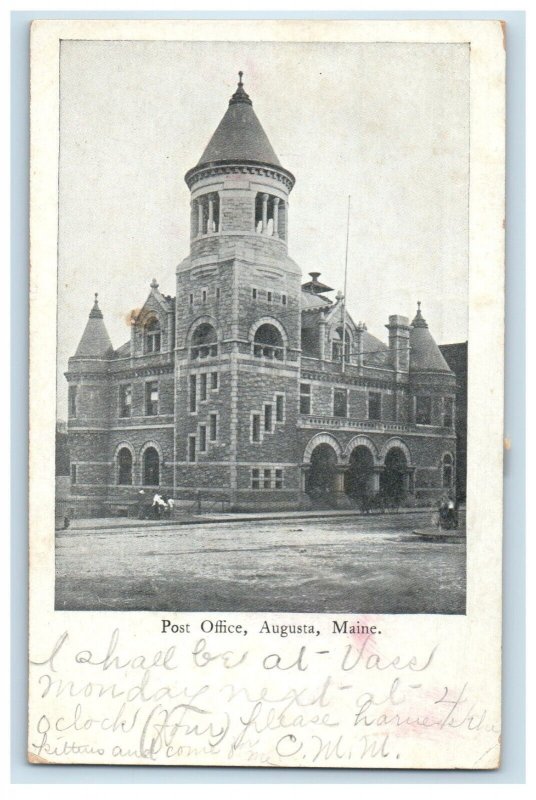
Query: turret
{"points": [[238, 185]]}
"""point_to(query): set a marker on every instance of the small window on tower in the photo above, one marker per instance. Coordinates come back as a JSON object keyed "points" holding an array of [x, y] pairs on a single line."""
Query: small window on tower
{"points": [[280, 408], [268, 418], [203, 386], [202, 438], [213, 427], [72, 400], [255, 427], [213, 380]]}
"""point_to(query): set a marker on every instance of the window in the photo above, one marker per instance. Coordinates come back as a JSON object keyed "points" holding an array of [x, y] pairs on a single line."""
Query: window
{"points": [[73, 473], [217, 292], [284, 299], [202, 438], [340, 403], [270, 217], [305, 398], [191, 299], [423, 410], [152, 336], [213, 380], [72, 400], [207, 209], [151, 398], [278, 479], [374, 405], [151, 467], [267, 482], [448, 412], [336, 346], [279, 407], [125, 400], [268, 343], [255, 479], [191, 448], [204, 296], [269, 296], [447, 471], [193, 393], [213, 431], [254, 294], [124, 463], [268, 417], [203, 386], [255, 427], [204, 341]]}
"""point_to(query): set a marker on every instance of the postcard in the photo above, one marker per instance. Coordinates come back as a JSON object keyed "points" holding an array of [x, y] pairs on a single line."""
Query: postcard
{"points": [[266, 387]]}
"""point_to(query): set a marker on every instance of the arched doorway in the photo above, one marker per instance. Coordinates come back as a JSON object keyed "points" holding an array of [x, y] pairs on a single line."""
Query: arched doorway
{"points": [[151, 467], [321, 477], [358, 480], [394, 478], [124, 463]]}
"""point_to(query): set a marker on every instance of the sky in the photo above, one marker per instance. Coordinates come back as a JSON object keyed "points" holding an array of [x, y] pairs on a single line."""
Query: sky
{"points": [[386, 124]]}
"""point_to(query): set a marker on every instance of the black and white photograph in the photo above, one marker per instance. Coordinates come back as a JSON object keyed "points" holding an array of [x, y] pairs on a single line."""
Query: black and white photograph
{"points": [[266, 386], [262, 326]]}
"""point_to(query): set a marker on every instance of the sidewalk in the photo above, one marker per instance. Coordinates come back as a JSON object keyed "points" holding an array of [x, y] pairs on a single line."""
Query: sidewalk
{"points": [[201, 519]]}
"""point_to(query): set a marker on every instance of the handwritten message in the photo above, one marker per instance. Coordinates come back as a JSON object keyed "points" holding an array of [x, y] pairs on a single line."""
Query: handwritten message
{"points": [[196, 702]]}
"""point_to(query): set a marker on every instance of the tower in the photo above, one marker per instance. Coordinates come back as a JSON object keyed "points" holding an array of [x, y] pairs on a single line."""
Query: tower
{"points": [[89, 407], [238, 320]]}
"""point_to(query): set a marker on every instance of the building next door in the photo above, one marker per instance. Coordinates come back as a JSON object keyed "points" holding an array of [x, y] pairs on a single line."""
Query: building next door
{"points": [[394, 478], [358, 480]]}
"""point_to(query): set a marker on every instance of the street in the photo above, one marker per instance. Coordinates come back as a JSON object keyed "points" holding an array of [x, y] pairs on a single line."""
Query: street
{"points": [[362, 564]]}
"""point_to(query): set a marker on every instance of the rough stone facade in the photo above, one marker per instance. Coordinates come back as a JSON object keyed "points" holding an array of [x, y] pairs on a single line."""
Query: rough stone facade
{"points": [[243, 387]]}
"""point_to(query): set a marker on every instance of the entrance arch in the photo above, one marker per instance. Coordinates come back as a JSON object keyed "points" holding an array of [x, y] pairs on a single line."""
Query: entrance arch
{"points": [[359, 478], [151, 467], [395, 475], [322, 474]]}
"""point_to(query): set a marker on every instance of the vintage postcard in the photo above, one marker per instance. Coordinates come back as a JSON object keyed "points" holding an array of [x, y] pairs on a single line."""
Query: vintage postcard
{"points": [[267, 264]]}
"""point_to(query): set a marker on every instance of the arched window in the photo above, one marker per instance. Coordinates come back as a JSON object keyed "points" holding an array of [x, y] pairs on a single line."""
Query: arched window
{"points": [[207, 208], [153, 336], [124, 463], [336, 346], [270, 219], [268, 342], [204, 341], [448, 465], [151, 467]]}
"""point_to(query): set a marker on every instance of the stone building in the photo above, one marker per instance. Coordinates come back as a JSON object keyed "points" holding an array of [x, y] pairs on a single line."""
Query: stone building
{"points": [[251, 385]]}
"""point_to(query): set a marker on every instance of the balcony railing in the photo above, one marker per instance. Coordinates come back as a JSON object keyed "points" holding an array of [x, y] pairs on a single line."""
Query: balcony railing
{"points": [[350, 423]]}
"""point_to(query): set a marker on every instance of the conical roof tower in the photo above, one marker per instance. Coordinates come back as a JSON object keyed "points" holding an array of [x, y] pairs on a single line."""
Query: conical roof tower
{"points": [[95, 341], [425, 355]]}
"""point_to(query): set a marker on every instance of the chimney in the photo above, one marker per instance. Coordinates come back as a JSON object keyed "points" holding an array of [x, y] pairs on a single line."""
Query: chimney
{"points": [[398, 328]]}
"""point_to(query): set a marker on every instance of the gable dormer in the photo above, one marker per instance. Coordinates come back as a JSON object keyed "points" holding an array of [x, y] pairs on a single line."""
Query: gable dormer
{"points": [[152, 331]]}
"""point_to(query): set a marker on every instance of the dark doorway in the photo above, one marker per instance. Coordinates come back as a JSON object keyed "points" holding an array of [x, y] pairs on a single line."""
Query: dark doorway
{"points": [[322, 473], [393, 480], [358, 479]]}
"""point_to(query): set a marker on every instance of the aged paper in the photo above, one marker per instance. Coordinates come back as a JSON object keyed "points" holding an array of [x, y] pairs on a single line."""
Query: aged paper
{"points": [[265, 530]]}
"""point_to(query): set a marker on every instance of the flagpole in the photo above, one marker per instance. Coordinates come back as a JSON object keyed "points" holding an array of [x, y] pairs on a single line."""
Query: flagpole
{"points": [[343, 359]]}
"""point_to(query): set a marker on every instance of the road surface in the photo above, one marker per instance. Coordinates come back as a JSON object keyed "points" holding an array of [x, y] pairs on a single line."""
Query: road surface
{"points": [[347, 566]]}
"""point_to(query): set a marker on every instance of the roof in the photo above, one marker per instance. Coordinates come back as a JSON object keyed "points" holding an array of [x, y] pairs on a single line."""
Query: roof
{"points": [[240, 135], [375, 352], [314, 286], [312, 301], [425, 355], [95, 341]]}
